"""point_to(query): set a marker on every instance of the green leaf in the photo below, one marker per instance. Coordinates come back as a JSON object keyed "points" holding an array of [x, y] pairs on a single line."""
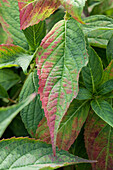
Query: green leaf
{"points": [[84, 94], [59, 61], [109, 95], [34, 34], [99, 142], [12, 55], [74, 7], [70, 126], [93, 2], [106, 87], [102, 54], [98, 29], [32, 12], [104, 110], [9, 12], [33, 113], [108, 72], [7, 114], [102, 7], [17, 127], [8, 78], [109, 50], [54, 18], [78, 149], [25, 153], [93, 73], [3, 92]]}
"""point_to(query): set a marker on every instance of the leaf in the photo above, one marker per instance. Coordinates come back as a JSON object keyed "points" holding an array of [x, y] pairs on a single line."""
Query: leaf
{"points": [[102, 54], [109, 95], [99, 142], [93, 2], [103, 109], [84, 94], [17, 127], [25, 153], [33, 113], [74, 7], [106, 87], [3, 92], [32, 12], [102, 7], [9, 12], [12, 55], [70, 126], [93, 73], [108, 72], [98, 29], [60, 61], [55, 17], [8, 78], [109, 50], [78, 149], [7, 114], [34, 34]]}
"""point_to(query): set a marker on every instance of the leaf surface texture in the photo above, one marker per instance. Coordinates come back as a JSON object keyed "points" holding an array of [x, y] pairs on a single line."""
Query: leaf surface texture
{"points": [[59, 62]]}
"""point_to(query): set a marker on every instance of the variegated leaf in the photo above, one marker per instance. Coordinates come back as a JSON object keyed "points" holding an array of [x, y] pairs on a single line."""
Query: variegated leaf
{"points": [[74, 7], [99, 142], [34, 11], [59, 63], [70, 126]]}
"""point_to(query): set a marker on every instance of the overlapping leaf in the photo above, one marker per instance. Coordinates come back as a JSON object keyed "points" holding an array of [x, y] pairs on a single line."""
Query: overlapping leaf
{"points": [[99, 142], [3, 92], [34, 11], [7, 114], [33, 113], [12, 55], [69, 127], [105, 87], [9, 15], [78, 148], [103, 109], [60, 61], [34, 34], [93, 73], [102, 7], [74, 7], [93, 2], [25, 153], [109, 50], [98, 29], [108, 73], [17, 127], [8, 78], [84, 94], [55, 17]]}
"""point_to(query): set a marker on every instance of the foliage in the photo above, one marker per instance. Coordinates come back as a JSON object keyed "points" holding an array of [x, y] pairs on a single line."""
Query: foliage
{"points": [[56, 84]]}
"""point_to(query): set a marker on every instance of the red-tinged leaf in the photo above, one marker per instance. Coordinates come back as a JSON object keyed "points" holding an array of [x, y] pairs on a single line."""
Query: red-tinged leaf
{"points": [[32, 12], [42, 131], [99, 142], [60, 61], [74, 7], [69, 127]]}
